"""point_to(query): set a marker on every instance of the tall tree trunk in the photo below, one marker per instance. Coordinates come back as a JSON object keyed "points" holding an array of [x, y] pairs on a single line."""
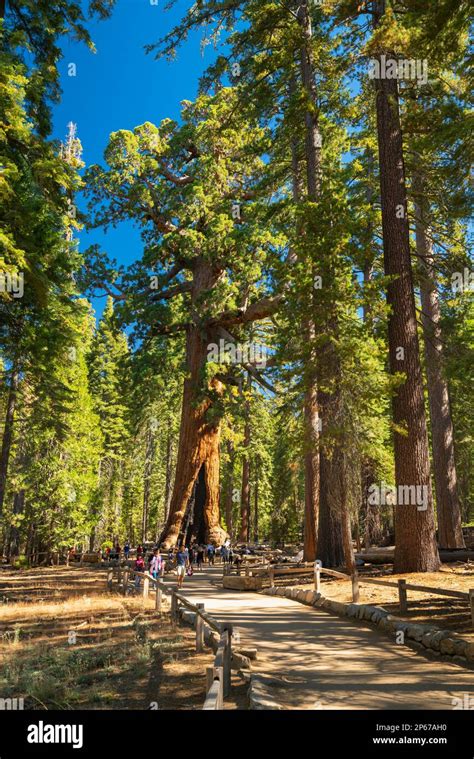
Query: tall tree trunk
{"points": [[14, 537], [199, 433], [372, 520], [371, 512], [198, 446], [442, 434], [255, 501], [334, 545], [415, 549], [229, 493], [244, 534], [149, 456], [8, 432], [311, 405], [169, 472], [311, 471]]}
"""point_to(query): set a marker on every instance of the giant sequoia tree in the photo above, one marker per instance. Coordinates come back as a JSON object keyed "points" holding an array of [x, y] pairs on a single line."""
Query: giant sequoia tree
{"points": [[203, 271]]}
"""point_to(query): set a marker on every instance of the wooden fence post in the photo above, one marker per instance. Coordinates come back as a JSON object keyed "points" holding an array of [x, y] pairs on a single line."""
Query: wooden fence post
{"points": [[199, 630], [271, 574], [355, 587], [174, 607], [227, 660], [110, 578], [158, 598], [471, 601], [146, 587], [317, 575], [220, 677], [402, 595], [119, 574], [125, 581], [209, 678], [216, 673]]}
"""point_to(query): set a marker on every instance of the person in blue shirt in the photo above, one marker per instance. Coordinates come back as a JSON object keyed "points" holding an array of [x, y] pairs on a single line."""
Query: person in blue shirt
{"points": [[182, 562]]}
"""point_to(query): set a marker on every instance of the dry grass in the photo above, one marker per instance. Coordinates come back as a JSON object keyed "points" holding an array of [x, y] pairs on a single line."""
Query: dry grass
{"points": [[81, 648]]}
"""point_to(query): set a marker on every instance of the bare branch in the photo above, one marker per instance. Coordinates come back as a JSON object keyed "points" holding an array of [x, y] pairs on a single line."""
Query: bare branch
{"points": [[261, 309]]}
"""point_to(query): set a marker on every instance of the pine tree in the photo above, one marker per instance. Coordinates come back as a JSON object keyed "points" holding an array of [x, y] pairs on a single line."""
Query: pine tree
{"points": [[109, 382]]}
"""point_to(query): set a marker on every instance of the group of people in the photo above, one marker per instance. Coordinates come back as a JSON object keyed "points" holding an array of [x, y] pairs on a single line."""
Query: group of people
{"points": [[183, 558]]}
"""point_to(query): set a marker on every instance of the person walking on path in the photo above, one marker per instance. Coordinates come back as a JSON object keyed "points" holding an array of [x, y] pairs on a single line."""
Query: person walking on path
{"points": [[139, 567], [224, 554], [126, 550], [199, 557], [210, 554], [182, 562], [155, 564]]}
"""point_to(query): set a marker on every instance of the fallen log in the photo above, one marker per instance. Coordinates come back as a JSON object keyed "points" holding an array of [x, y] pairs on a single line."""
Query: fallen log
{"points": [[385, 556]]}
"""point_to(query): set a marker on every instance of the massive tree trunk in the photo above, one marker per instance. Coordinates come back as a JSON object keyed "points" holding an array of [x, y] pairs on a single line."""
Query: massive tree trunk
{"points": [[416, 549], [199, 435], [198, 447], [244, 534], [229, 492], [8, 433], [442, 434]]}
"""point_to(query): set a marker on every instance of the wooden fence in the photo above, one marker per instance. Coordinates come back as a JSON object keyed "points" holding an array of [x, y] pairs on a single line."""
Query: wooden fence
{"points": [[404, 586], [218, 677], [316, 569]]}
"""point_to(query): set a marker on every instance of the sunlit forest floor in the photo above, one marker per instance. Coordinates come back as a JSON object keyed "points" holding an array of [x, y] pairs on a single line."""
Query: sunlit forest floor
{"points": [[425, 608], [67, 644]]}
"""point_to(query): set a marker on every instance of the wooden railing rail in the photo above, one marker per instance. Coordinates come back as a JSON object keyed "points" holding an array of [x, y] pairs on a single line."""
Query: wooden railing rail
{"points": [[218, 677]]}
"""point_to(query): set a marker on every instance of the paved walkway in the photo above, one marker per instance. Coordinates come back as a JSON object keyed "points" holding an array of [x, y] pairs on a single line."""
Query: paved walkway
{"points": [[321, 661]]}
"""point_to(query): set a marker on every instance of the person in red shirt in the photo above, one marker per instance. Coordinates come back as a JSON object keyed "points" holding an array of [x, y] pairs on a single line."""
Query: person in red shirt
{"points": [[139, 567]]}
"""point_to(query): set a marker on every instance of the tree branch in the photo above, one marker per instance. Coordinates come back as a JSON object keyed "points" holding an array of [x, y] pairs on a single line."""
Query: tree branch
{"points": [[261, 309]]}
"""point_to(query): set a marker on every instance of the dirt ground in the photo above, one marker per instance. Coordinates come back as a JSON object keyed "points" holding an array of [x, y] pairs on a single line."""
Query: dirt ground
{"points": [[426, 608], [65, 643]]}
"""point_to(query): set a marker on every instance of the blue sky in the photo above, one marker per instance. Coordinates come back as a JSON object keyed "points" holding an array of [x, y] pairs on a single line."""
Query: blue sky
{"points": [[121, 86]]}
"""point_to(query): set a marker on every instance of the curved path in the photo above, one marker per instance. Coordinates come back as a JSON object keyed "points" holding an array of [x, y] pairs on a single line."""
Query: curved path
{"points": [[313, 659]]}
